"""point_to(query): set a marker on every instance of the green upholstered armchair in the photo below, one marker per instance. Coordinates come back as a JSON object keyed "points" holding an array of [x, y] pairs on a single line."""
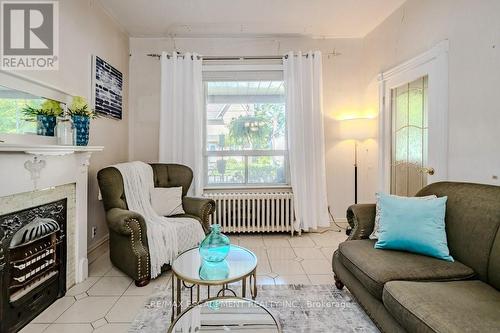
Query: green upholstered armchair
{"points": [[128, 241]]}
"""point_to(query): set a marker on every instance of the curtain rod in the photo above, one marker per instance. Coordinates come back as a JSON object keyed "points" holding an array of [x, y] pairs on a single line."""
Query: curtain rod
{"points": [[215, 58]]}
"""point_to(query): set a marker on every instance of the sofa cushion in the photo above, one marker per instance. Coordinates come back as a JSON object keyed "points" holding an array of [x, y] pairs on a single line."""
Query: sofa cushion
{"points": [[373, 307], [373, 267], [458, 306]]}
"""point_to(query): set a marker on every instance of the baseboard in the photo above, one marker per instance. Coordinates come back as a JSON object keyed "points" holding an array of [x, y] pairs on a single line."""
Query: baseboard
{"points": [[97, 249]]}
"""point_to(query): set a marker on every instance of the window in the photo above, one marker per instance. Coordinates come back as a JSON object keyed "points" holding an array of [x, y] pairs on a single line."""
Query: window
{"points": [[246, 135], [12, 118]]}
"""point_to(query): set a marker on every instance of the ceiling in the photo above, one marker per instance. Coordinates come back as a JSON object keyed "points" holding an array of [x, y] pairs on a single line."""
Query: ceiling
{"points": [[250, 18]]}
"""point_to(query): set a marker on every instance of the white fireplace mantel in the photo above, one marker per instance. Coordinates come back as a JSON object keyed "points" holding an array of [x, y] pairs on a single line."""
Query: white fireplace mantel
{"points": [[47, 149], [36, 167]]}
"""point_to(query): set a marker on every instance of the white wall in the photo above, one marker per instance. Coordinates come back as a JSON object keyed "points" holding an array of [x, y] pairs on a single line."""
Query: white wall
{"points": [[473, 31], [342, 94], [85, 30], [350, 87]]}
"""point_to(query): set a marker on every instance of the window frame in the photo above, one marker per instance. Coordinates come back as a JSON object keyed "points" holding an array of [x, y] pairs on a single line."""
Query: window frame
{"points": [[225, 73]]}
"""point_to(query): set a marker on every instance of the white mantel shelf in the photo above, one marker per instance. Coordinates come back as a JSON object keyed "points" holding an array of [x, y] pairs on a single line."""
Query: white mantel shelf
{"points": [[47, 149]]}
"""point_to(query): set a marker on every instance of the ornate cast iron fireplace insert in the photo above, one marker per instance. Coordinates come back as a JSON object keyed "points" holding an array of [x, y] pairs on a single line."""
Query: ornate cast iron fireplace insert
{"points": [[32, 262]]}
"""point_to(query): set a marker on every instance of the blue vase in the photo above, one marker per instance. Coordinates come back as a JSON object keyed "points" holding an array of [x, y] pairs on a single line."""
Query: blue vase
{"points": [[215, 247], [45, 125], [82, 126], [214, 271]]}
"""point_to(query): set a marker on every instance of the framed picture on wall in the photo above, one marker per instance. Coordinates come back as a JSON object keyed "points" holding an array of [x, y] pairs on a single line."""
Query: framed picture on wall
{"points": [[107, 89]]}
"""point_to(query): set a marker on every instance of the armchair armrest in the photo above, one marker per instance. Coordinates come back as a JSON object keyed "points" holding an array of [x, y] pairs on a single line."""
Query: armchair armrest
{"points": [[128, 244], [200, 207], [125, 222], [361, 218]]}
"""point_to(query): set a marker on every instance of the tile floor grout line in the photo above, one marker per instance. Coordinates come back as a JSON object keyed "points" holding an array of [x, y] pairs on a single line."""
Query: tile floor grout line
{"points": [[118, 299], [74, 323], [74, 297], [75, 300], [54, 323], [269, 262], [99, 277]]}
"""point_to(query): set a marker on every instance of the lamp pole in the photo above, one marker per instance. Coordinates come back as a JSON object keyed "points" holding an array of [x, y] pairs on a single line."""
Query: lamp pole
{"points": [[357, 129], [355, 171]]}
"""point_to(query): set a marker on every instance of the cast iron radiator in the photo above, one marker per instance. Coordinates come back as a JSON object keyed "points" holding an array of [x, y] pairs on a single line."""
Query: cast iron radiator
{"points": [[32, 262], [247, 212]]}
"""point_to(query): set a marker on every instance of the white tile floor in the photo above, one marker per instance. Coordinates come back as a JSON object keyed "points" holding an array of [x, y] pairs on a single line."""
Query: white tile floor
{"points": [[108, 301]]}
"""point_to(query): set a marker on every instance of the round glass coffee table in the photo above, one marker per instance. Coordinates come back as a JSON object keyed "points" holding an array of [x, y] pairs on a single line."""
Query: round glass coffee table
{"points": [[226, 314], [189, 271]]}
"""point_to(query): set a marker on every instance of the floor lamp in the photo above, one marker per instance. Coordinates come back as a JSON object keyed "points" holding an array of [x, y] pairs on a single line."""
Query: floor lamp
{"points": [[357, 129]]}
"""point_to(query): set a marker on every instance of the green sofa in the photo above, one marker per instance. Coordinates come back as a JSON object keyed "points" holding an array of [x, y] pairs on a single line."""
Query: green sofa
{"points": [[405, 292], [128, 243]]}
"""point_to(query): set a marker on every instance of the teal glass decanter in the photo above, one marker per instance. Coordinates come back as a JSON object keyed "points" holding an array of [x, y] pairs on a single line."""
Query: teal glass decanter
{"points": [[215, 247]]}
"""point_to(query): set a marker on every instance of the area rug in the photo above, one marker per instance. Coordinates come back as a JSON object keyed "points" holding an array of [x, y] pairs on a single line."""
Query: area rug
{"points": [[299, 308]]}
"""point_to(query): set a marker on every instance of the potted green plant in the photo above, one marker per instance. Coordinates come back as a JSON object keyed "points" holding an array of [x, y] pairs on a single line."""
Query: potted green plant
{"points": [[81, 113], [45, 116]]}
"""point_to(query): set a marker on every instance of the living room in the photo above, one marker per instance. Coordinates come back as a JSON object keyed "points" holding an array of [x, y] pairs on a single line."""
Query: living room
{"points": [[252, 166]]}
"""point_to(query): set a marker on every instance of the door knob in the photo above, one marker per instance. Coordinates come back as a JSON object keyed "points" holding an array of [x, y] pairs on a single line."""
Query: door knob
{"points": [[429, 171]]}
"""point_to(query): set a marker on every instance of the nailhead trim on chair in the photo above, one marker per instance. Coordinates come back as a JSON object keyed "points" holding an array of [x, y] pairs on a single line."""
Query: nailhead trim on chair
{"points": [[207, 210], [140, 274]]}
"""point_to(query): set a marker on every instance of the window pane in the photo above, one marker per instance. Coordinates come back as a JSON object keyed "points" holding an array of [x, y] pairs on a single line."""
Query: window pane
{"points": [[226, 170], [266, 170], [409, 137], [246, 115], [12, 118]]}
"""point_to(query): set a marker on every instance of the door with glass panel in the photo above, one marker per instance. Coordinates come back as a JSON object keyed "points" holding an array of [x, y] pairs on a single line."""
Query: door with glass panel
{"points": [[409, 148]]}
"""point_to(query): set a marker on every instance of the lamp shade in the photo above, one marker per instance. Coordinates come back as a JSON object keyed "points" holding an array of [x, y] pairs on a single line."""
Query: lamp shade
{"points": [[358, 129]]}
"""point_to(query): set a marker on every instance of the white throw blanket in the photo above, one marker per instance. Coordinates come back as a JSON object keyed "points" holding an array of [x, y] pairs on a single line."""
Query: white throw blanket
{"points": [[167, 236]]}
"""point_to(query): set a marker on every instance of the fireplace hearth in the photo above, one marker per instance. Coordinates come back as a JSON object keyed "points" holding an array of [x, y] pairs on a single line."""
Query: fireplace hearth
{"points": [[32, 262]]}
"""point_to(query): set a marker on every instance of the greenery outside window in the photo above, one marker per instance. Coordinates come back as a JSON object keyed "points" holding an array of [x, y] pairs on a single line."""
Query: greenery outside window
{"points": [[246, 132], [12, 117]]}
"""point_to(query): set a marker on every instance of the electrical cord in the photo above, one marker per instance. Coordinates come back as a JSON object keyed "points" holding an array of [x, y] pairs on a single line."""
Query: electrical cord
{"points": [[335, 222]]}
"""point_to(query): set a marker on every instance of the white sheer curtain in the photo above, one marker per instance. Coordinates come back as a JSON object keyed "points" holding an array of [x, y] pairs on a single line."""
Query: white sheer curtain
{"points": [[303, 80], [182, 114]]}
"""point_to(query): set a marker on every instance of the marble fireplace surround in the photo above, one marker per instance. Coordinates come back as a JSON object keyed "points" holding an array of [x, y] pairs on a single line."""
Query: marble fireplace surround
{"points": [[32, 175]]}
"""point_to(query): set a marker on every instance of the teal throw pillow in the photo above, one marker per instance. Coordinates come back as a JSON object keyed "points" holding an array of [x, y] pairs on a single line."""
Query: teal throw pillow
{"points": [[413, 225]]}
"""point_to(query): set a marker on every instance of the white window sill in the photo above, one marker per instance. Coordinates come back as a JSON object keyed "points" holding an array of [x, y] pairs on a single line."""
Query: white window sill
{"points": [[247, 188]]}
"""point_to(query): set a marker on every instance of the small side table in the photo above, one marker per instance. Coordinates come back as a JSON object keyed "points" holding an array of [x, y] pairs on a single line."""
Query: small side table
{"points": [[242, 265]]}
